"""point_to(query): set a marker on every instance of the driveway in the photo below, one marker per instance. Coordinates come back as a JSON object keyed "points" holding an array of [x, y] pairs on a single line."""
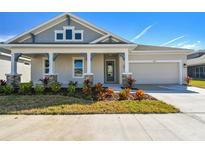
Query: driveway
{"points": [[187, 99]]}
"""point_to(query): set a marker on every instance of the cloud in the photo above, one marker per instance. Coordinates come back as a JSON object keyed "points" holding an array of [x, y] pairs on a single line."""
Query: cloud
{"points": [[173, 40], [191, 46], [142, 33], [4, 38]]}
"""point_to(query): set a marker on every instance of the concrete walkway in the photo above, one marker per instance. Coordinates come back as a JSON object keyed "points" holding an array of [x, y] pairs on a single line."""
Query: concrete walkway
{"points": [[103, 127]]}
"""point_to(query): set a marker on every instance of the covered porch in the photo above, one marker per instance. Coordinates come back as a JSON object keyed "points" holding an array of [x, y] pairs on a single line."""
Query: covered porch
{"points": [[103, 64]]}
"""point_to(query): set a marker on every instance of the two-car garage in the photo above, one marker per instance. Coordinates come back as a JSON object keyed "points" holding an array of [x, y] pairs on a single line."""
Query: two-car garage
{"points": [[156, 72]]}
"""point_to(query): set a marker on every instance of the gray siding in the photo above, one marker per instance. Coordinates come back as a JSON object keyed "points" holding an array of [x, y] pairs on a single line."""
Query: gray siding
{"points": [[48, 36]]}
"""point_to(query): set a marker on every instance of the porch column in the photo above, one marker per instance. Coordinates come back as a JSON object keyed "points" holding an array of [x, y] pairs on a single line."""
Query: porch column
{"points": [[88, 63], [13, 78], [51, 75], [89, 74], [13, 64], [50, 59], [126, 74], [126, 62]]}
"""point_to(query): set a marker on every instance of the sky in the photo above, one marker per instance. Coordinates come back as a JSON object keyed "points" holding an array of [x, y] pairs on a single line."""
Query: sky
{"points": [[184, 30]]}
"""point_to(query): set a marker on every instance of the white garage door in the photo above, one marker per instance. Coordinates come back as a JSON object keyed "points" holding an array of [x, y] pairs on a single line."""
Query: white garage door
{"points": [[155, 73]]}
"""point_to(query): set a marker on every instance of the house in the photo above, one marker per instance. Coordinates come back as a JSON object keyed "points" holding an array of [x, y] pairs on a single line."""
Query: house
{"points": [[196, 64], [24, 67], [68, 48]]}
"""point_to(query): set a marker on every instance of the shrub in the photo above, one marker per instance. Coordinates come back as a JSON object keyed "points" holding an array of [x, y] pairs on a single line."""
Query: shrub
{"points": [[124, 94], [99, 92], [188, 80], [87, 87], [55, 87], [130, 82], [25, 88], [72, 88], [139, 94], [8, 89], [109, 92], [45, 81], [39, 89], [2, 83]]}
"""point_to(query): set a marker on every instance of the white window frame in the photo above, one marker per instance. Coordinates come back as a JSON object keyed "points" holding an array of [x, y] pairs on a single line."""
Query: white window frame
{"points": [[78, 58], [59, 31], [78, 31], [43, 66], [73, 34]]}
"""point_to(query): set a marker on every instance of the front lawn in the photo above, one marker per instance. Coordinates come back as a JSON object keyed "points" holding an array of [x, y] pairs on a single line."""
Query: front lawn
{"points": [[198, 83], [59, 104]]}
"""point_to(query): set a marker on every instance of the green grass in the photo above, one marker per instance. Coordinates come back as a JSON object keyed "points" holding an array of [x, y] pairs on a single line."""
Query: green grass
{"points": [[57, 104], [198, 83]]}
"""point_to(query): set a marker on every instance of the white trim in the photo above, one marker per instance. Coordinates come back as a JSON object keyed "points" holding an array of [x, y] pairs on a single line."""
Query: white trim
{"points": [[126, 62], [159, 51], [74, 18], [100, 39], [115, 70], [141, 61], [73, 67], [73, 34], [36, 27], [56, 32], [164, 61], [43, 66]]}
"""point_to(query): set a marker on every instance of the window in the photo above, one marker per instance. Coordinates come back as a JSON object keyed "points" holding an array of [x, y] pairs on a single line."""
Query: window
{"points": [[78, 67], [69, 34], [59, 36], [46, 66], [78, 36]]}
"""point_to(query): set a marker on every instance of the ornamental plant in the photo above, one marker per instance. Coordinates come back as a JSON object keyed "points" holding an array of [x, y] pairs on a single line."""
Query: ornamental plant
{"points": [[25, 88], [55, 87], [124, 94], [99, 92], [8, 89], [139, 94], [45, 81], [72, 88], [188, 80], [87, 87], [130, 82], [2, 83], [39, 88], [109, 92]]}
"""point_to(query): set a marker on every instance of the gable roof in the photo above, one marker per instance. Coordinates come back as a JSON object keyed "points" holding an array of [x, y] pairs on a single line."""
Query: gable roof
{"points": [[64, 16]]}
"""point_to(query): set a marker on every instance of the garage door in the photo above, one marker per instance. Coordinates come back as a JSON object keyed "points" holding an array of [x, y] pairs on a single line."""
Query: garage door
{"points": [[155, 73]]}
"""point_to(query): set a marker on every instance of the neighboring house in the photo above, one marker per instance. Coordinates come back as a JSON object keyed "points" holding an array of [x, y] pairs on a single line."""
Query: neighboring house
{"points": [[196, 65], [23, 65], [68, 48]]}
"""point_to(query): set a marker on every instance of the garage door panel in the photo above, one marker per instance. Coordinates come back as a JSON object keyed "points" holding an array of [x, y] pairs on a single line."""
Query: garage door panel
{"points": [[155, 73]]}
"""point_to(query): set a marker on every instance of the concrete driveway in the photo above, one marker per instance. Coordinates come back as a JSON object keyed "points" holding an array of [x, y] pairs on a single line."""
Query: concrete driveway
{"points": [[187, 99]]}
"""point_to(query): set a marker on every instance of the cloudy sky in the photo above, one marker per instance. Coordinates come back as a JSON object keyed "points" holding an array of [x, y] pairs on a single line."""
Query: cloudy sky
{"points": [[185, 30]]}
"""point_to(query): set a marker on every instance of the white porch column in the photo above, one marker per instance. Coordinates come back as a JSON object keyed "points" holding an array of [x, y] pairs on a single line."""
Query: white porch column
{"points": [[13, 64], [89, 74], [88, 63], [50, 64], [126, 62]]}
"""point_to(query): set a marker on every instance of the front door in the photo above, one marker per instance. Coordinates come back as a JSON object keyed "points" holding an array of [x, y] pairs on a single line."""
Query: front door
{"points": [[110, 71]]}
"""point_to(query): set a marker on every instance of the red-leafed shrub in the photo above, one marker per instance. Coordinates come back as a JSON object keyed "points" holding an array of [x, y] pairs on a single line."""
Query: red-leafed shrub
{"points": [[124, 94], [130, 82], [45, 81], [139, 94]]}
